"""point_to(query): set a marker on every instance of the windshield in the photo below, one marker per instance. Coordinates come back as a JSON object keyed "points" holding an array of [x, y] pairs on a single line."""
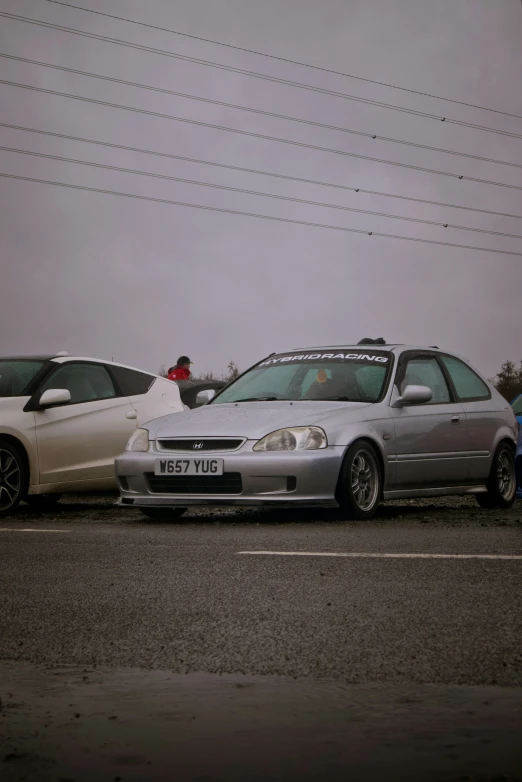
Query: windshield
{"points": [[342, 377], [16, 375], [517, 405]]}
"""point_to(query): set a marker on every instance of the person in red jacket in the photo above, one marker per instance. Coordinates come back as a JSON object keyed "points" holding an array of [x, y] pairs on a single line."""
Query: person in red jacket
{"points": [[182, 369]]}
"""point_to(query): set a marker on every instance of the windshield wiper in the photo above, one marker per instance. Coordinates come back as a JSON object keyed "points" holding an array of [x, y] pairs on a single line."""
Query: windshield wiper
{"points": [[258, 399], [334, 399]]}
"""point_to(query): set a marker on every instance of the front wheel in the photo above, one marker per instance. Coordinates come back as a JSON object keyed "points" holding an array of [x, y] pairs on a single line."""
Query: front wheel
{"points": [[359, 487], [501, 484], [13, 477], [163, 514]]}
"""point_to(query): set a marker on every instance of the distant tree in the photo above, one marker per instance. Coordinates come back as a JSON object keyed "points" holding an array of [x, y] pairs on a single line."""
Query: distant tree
{"points": [[508, 382], [233, 370], [162, 371], [206, 376]]}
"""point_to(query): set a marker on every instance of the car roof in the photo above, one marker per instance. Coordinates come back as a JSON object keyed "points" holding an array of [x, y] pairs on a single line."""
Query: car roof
{"points": [[26, 358], [67, 359], [366, 347], [61, 359]]}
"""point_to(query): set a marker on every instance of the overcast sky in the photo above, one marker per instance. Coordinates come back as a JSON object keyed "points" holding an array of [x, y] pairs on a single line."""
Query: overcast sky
{"points": [[106, 276]]}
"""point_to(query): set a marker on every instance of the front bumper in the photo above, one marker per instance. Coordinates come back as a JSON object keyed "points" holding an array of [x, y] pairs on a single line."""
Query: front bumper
{"points": [[264, 478]]}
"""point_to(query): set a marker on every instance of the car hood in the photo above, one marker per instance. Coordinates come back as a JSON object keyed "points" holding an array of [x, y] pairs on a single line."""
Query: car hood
{"points": [[248, 419]]}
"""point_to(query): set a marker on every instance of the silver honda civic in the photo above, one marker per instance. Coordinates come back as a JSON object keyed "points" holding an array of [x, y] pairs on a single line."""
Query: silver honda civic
{"points": [[349, 426]]}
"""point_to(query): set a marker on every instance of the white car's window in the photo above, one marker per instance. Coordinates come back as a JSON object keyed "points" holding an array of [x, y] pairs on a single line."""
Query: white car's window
{"points": [[85, 382], [16, 375], [468, 384], [345, 376], [426, 372], [130, 381]]}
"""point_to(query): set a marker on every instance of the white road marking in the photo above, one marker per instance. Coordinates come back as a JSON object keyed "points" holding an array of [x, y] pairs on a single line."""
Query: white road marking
{"points": [[31, 529], [377, 555]]}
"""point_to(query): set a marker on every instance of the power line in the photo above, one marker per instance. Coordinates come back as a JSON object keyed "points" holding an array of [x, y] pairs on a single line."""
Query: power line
{"points": [[256, 135], [257, 171], [256, 75], [240, 107], [256, 215], [285, 59], [244, 191]]}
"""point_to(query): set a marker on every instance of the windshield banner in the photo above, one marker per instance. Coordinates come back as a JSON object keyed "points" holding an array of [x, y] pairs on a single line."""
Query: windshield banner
{"points": [[377, 357]]}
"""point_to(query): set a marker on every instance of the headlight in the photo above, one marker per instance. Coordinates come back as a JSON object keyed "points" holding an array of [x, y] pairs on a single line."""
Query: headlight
{"points": [[139, 441], [298, 438]]}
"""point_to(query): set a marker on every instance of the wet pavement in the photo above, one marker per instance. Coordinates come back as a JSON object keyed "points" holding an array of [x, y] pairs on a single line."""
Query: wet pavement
{"points": [[145, 651]]}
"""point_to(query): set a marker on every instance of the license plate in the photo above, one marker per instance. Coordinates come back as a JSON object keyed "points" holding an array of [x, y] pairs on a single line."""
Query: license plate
{"points": [[207, 467]]}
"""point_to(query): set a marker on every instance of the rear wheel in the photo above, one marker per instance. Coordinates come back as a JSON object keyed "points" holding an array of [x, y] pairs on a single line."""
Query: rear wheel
{"points": [[501, 484], [40, 502], [13, 477], [360, 482], [163, 514]]}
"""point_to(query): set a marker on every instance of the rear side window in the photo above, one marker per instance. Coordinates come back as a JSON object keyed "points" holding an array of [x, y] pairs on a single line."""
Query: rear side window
{"points": [[468, 384], [130, 382]]}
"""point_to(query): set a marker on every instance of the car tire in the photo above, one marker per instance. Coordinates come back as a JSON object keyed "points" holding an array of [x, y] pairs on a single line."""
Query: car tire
{"points": [[163, 514], [41, 502], [359, 489], [502, 483], [13, 476]]}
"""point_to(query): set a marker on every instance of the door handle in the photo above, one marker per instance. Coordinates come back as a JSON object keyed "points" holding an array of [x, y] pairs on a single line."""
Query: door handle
{"points": [[455, 419], [132, 415]]}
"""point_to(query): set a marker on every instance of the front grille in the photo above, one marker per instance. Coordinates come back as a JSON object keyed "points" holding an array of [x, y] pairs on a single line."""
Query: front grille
{"points": [[199, 445], [228, 483]]}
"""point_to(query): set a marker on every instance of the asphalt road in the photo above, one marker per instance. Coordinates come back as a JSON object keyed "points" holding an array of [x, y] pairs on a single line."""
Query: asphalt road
{"points": [[189, 656]]}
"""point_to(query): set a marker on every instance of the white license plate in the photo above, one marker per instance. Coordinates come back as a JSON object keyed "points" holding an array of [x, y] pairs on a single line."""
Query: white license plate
{"points": [[207, 467]]}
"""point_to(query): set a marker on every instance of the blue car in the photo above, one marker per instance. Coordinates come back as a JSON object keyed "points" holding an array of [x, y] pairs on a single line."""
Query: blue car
{"points": [[517, 407]]}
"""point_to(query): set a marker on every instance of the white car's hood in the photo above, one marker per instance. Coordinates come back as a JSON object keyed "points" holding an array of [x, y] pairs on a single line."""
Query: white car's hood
{"points": [[252, 420]]}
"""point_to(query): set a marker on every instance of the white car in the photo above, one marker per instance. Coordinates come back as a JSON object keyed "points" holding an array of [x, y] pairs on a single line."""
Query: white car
{"points": [[63, 421]]}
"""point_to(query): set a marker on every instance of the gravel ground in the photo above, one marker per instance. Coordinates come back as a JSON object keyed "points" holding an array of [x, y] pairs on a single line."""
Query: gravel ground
{"points": [[450, 511]]}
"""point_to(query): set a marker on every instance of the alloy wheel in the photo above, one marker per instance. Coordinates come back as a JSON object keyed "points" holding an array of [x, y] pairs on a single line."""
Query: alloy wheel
{"points": [[505, 474], [10, 479], [365, 479]]}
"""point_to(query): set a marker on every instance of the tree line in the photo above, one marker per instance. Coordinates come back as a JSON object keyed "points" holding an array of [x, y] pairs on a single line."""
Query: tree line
{"points": [[508, 382]]}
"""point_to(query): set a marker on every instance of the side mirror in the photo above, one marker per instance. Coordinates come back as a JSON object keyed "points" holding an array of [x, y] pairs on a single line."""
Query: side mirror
{"points": [[204, 397], [414, 395], [54, 397]]}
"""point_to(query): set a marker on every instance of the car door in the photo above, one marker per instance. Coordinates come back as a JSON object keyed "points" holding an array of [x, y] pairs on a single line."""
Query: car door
{"points": [[485, 414], [78, 442], [431, 440]]}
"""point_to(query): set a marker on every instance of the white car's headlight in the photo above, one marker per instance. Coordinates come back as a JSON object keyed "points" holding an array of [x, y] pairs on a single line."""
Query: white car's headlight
{"points": [[139, 441], [298, 438]]}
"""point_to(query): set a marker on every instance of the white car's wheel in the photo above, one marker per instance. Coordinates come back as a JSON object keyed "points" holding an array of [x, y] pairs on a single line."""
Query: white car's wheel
{"points": [[13, 477], [163, 514]]}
